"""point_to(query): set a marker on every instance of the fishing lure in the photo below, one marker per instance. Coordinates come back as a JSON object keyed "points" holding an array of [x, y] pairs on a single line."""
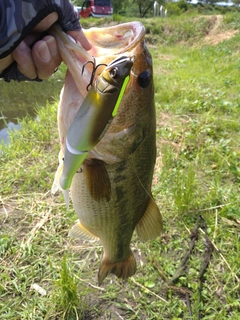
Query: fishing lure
{"points": [[91, 121]]}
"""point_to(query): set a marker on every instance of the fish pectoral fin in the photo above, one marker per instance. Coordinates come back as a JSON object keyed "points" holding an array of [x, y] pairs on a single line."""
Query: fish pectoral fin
{"points": [[150, 225], [122, 269], [79, 231], [97, 179]]}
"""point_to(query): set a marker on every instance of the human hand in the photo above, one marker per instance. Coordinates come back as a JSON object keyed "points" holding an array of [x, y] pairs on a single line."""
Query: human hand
{"points": [[41, 60]]}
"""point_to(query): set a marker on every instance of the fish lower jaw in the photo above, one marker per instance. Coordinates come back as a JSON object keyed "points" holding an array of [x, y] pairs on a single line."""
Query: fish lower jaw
{"points": [[122, 269]]}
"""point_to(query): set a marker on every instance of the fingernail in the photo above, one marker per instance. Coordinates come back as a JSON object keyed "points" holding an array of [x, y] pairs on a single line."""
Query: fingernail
{"points": [[22, 46], [44, 52], [52, 45]]}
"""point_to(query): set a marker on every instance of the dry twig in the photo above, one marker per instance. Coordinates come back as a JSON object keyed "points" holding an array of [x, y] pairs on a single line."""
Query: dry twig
{"points": [[37, 227], [146, 289]]}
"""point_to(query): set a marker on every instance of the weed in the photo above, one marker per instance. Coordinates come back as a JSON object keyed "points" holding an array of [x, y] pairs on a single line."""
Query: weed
{"points": [[67, 297]]}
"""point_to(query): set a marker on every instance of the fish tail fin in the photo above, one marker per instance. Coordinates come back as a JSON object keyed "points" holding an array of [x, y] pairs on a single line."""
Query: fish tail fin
{"points": [[122, 269]]}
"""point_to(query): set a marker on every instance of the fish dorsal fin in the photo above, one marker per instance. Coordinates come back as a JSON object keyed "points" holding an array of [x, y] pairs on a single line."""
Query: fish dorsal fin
{"points": [[79, 231], [97, 179], [150, 225]]}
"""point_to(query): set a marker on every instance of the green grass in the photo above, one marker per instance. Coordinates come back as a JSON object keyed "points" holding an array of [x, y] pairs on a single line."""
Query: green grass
{"points": [[197, 173]]}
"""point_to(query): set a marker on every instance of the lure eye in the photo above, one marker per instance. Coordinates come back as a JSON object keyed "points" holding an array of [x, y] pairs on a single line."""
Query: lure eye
{"points": [[114, 73], [144, 79]]}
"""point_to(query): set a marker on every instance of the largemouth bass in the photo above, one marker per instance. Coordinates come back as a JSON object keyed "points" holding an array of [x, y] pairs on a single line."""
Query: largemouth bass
{"points": [[111, 190]]}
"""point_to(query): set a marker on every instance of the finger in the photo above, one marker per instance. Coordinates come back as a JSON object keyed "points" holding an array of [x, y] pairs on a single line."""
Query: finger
{"points": [[46, 56], [46, 22], [80, 37], [5, 62], [23, 56]]}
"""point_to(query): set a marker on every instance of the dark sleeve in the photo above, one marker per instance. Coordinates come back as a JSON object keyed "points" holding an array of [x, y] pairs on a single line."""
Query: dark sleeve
{"points": [[19, 17]]}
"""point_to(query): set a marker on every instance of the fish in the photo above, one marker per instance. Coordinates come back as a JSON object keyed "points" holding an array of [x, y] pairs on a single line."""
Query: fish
{"points": [[111, 189]]}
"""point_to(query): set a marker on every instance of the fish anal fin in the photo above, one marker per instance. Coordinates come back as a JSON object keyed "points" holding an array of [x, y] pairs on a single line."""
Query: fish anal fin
{"points": [[97, 179], [122, 269], [150, 225], [79, 231]]}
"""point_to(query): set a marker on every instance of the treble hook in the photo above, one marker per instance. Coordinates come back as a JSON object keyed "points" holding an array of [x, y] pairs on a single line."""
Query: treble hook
{"points": [[93, 71]]}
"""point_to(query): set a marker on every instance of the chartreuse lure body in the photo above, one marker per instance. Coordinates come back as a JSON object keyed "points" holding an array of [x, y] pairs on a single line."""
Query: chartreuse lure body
{"points": [[91, 121]]}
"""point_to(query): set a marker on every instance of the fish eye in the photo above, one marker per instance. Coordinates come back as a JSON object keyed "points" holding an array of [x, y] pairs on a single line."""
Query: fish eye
{"points": [[114, 73], [144, 79]]}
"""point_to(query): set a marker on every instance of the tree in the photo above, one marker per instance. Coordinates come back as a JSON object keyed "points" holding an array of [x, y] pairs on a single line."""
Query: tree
{"points": [[77, 2], [144, 6], [119, 5]]}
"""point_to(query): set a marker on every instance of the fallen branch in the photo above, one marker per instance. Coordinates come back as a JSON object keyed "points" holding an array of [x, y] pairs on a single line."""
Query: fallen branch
{"points": [[182, 269], [207, 256], [146, 289], [209, 247], [37, 227]]}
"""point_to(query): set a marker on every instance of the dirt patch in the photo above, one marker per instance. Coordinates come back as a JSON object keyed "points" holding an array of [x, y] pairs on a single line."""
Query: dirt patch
{"points": [[216, 35], [214, 39], [11, 217]]}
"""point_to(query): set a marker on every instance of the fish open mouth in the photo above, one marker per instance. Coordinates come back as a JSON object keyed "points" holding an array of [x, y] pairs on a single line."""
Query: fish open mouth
{"points": [[94, 86], [107, 44]]}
